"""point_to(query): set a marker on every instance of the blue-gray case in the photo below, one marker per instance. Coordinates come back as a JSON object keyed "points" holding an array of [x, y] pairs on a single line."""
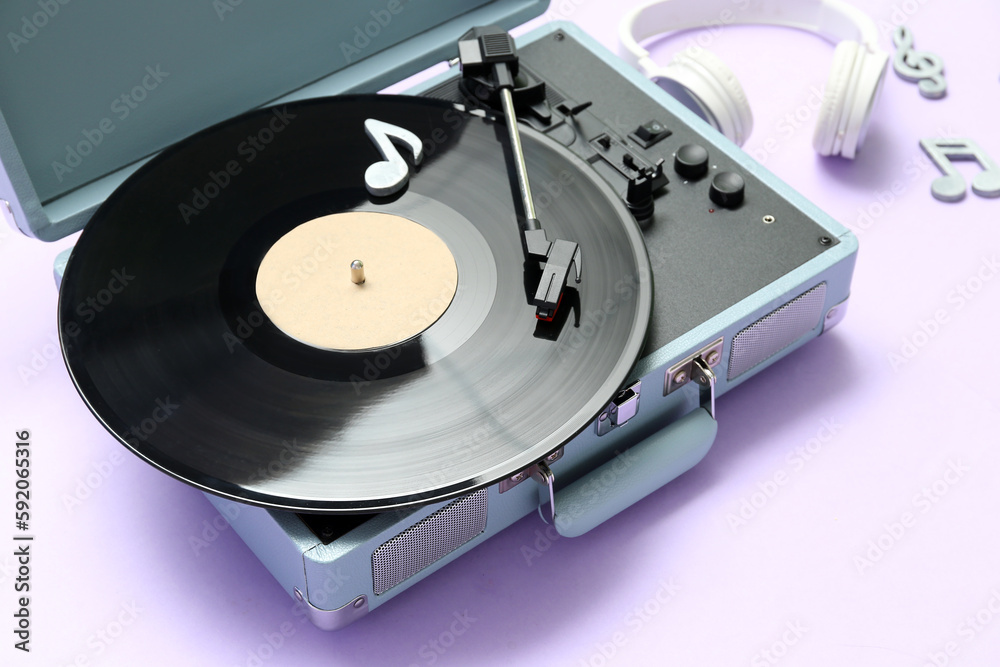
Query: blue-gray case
{"points": [[66, 142]]}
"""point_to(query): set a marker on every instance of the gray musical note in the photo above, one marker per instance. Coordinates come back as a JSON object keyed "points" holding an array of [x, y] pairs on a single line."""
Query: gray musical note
{"points": [[951, 186], [389, 175], [922, 66]]}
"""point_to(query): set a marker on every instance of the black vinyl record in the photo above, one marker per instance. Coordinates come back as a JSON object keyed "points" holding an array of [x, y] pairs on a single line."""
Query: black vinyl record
{"points": [[166, 341]]}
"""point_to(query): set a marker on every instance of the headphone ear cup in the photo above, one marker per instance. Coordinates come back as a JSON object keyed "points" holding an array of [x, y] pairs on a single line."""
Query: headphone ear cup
{"points": [[832, 108], [704, 84], [867, 90], [852, 90]]}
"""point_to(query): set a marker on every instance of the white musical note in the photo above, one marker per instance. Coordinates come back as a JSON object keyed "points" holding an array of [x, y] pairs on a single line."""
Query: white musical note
{"points": [[951, 186], [922, 66], [389, 175]]}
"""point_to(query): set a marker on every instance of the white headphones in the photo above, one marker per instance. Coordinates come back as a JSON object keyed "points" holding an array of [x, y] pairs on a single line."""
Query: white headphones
{"points": [[700, 81]]}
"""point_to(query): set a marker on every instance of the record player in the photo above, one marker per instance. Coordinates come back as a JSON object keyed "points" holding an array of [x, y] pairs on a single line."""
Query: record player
{"points": [[377, 331]]}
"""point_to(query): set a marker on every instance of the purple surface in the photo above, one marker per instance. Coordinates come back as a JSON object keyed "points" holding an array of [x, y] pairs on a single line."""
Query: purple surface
{"points": [[119, 577]]}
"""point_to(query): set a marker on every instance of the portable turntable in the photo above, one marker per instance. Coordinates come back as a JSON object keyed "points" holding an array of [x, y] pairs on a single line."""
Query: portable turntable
{"points": [[391, 326]]}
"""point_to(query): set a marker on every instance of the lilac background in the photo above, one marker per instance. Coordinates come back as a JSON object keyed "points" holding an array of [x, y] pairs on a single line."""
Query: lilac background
{"points": [[734, 591]]}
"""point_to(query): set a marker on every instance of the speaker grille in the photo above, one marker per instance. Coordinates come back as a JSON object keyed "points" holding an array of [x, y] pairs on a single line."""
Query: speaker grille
{"points": [[775, 331], [428, 541]]}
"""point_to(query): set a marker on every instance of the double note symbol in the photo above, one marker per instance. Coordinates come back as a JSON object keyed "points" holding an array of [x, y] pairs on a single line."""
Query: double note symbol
{"points": [[389, 175], [922, 66], [951, 186]]}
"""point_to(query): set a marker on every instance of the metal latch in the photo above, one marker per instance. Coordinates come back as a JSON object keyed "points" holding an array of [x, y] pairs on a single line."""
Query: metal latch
{"points": [[532, 471], [697, 367], [621, 409], [541, 473]]}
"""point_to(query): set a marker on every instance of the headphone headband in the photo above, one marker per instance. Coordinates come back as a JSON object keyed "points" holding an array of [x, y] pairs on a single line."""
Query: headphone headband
{"points": [[833, 20]]}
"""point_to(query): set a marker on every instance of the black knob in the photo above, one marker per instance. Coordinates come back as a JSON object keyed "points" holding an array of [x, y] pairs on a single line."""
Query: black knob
{"points": [[691, 161], [727, 189]]}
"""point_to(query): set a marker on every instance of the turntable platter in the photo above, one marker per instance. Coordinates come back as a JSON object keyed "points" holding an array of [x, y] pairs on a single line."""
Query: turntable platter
{"points": [[189, 369]]}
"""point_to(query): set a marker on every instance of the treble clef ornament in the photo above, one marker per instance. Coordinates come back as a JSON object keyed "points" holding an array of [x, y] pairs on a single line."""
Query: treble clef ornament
{"points": [[922, 66]]}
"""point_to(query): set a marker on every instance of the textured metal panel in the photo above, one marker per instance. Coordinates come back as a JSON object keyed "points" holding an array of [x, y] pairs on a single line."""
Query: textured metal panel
{"points": [[428, 541], [777, 330]]}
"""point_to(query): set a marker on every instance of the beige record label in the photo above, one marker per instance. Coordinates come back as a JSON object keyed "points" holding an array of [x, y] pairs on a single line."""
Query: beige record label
{"points": [[306, 281]]}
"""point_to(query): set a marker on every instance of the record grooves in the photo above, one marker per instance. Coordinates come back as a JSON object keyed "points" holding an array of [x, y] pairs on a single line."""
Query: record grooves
{"points": [[266, 419]]}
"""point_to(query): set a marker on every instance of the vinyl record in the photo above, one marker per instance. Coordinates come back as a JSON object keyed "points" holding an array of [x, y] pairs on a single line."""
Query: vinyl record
{"points": [[166, 333]]}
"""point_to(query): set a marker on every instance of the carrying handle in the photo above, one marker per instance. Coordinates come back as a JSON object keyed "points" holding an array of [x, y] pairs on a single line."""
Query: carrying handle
{"points": [[634, 474]]}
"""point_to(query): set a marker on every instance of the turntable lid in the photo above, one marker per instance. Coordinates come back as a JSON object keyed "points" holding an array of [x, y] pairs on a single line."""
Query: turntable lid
{"points": [[93, 89]]}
